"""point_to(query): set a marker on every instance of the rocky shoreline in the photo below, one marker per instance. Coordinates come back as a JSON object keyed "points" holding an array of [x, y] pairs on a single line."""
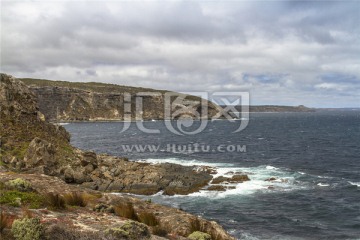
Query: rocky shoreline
{"points": [[38, 153]]}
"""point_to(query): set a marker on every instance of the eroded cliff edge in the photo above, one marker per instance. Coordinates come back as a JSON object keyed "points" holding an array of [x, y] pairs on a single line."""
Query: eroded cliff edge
{"points": [[77, 101], [32, 148]]}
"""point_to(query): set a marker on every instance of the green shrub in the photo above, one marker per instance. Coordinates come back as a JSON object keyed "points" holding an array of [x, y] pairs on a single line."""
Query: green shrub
{"points": [[197, 235], [19, 184], [27, 229], [131, 230], [16, 198]]}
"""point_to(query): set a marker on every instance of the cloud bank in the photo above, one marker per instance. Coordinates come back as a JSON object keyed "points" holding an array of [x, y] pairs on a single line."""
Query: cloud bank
{"points": [[283, 52]]}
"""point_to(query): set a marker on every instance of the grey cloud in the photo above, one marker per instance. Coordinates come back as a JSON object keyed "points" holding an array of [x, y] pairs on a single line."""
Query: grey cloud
{"points": [[285, 47]]}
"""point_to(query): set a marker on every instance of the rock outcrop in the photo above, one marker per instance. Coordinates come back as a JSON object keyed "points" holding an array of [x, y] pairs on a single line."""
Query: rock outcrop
{"points": [[22, 125], [107, 173]]}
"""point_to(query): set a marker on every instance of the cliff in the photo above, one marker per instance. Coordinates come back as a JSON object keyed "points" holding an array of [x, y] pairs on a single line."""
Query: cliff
{"points": [[74, 101], [42, 177], [31, 144]]}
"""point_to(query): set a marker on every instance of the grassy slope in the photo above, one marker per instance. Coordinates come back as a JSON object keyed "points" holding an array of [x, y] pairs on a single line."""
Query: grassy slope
{"points": [[88, 86]]}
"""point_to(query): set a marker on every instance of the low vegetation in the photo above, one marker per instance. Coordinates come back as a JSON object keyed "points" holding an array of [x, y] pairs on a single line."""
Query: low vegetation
{"points": [[16, 199], [27, 229], [131, 230], [19, 184], [199, 236]]}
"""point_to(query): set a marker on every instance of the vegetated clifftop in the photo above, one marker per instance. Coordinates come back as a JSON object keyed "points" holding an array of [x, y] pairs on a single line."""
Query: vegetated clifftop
{"points": [[32, 147], [276, 108], [75, 101]]}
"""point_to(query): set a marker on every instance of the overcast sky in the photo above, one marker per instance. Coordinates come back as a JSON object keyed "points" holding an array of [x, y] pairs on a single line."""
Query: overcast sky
{"points": [[282, 52]]}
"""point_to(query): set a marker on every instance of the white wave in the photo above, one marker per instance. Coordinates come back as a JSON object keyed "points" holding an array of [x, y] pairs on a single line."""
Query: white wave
{"points": [[302, 173], [248, 236], [185, 162], [354, 183], [271, 167], [323, 185], [323, 177], [62, 124]]}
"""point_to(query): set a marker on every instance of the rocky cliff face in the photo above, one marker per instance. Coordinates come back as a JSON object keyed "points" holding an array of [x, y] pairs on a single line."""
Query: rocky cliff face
{"points": [[30, 144], [21, 122], [66, 101]]}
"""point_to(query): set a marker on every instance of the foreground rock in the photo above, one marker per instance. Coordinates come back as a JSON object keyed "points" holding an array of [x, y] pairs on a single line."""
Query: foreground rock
{"points": [[95, 222], [108, 173]]}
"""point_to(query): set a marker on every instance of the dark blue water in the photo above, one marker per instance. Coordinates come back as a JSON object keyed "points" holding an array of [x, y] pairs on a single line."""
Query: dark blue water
{"points": [[315, 158]]}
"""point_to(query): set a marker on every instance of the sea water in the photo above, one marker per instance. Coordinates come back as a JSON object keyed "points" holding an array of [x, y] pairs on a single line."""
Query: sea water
{"points": [[314, 157]]}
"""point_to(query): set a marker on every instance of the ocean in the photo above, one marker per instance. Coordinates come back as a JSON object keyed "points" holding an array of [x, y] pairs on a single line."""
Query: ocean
{"points": [[314, 157]]}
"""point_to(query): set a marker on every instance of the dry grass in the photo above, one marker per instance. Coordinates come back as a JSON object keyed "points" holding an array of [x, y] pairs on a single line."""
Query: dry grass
{"points": [[6, 220], [159, 231], [195, 225], [76, 199], [126, 210], [26, 213], [91, 198], [148, 218], [55, 201]]}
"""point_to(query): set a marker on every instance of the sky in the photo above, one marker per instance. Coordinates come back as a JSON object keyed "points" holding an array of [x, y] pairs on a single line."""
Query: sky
{"points": [[281, 52]]}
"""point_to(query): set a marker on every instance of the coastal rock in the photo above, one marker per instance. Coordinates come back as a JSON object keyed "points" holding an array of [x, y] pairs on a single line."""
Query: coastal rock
{"points": [[239, 178], [40, 153], [271, 179], [206, 169], [220, 179], [216, 188], [89, 158], [121, 175]]}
